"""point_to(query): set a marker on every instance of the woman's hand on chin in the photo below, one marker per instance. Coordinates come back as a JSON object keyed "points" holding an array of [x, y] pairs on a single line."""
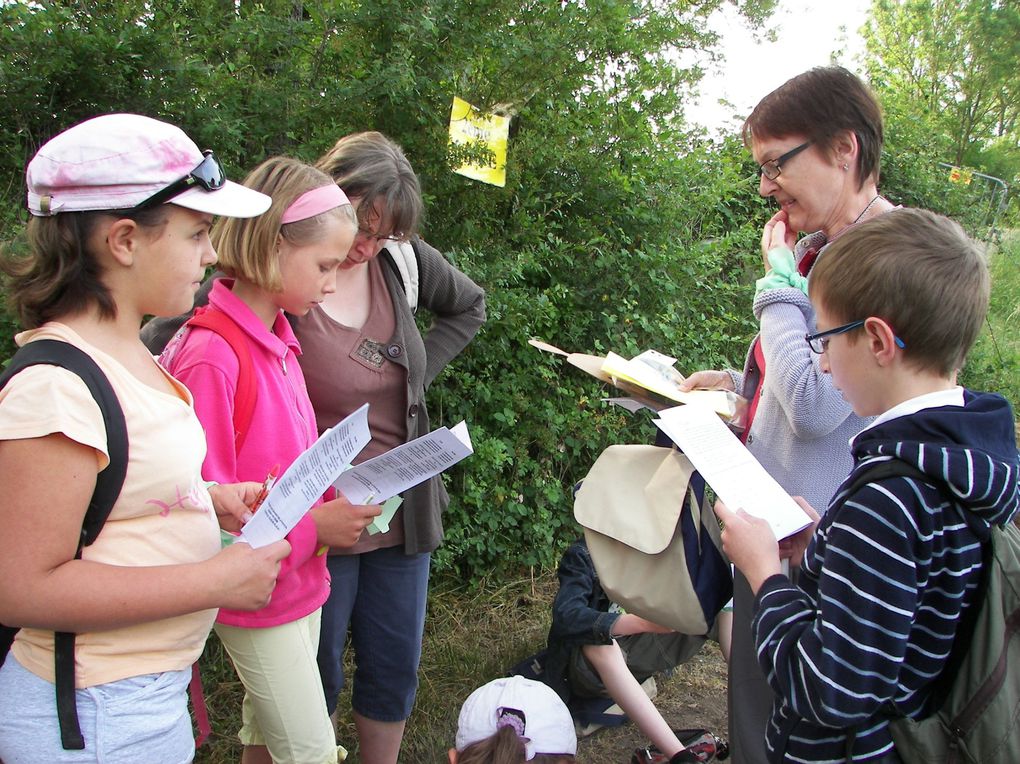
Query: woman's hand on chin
{"points": [[776, 234]]}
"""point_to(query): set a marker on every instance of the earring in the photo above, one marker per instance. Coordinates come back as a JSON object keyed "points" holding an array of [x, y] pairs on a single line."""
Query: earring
{"points": [[845, 167]]}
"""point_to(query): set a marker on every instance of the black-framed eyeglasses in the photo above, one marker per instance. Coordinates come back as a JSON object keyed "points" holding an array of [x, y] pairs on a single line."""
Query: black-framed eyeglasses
{"points": [[772, 168], [819, 342], [208, 175]]}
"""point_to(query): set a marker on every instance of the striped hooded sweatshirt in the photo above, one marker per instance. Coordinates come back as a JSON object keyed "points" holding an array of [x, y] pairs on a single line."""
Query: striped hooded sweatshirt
{"points": [[884, 581]]}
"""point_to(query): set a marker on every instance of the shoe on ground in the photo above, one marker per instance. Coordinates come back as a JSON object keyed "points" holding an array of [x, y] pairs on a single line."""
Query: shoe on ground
{"points": [[700, 746]]}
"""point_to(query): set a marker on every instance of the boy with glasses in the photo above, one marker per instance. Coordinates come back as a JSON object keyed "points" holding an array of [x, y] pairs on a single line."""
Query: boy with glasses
{"points": [[890, 571]]}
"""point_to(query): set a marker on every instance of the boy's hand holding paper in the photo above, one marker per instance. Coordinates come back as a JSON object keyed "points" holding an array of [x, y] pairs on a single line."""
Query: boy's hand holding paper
{"points": [[750, 544]]}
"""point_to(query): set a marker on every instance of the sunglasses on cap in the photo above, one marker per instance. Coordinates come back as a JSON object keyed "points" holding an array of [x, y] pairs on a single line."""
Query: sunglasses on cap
{"points": [[208, 175]]}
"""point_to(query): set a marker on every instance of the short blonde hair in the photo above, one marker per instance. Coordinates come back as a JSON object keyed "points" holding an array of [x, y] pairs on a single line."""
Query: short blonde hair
{"points": [[372, 168], [247, 247], [917, 271]]}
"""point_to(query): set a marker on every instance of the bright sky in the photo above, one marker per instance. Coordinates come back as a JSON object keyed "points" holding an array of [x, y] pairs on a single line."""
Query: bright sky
{"points": [[808, 31]]}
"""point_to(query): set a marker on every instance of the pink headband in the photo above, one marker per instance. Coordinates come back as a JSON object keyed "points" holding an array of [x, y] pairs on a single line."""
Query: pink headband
{"points": [[315, 202]]}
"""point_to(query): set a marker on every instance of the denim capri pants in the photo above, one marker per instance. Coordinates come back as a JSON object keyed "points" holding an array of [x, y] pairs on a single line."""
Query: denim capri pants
{"points": [[380, 595]]}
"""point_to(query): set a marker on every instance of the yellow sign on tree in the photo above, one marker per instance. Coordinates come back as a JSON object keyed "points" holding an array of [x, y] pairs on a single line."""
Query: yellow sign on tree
{"points": [[470, 126], [960, 175]]}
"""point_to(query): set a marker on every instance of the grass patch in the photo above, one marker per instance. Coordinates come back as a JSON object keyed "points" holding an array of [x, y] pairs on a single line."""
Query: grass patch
{"points": [[472, 635], [994, 362]]}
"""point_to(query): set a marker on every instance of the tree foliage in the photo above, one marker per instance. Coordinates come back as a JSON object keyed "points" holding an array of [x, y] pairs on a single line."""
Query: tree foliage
{"points": [[947, 75], [619, 227]]}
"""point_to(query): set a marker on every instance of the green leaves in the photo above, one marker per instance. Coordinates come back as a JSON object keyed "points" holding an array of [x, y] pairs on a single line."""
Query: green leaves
{"points": [[947, 77]]}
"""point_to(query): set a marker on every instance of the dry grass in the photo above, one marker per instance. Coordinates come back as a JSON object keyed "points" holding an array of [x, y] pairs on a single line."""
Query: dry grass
{"points": [[472, 636]]}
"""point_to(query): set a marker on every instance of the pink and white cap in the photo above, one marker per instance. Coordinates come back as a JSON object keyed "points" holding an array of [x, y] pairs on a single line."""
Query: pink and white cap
{"points": [[531, 708], [117, 161]]}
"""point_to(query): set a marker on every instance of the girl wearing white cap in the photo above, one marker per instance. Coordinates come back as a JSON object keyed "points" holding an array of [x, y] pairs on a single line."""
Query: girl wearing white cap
{"points": [[121, 208], [512, 720]]}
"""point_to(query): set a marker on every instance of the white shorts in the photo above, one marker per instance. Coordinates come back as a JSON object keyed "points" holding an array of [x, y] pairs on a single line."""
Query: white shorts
{"points": [[141, 718]]}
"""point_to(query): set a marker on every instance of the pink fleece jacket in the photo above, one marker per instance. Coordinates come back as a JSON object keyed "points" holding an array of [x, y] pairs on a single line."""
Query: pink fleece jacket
{"points": [[282, 427]]}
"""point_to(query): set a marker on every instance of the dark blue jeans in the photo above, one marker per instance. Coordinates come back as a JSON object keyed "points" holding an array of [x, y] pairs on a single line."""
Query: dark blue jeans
{"points": [[381, 596]]}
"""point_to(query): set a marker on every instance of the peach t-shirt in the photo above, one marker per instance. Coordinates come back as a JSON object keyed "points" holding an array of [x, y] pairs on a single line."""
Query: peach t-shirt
{"points": [[164, 514]]}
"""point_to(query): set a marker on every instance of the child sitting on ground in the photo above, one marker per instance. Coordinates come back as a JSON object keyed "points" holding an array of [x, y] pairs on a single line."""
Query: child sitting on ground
{"points": [[596, 650], [514, 719], [889, 572]]}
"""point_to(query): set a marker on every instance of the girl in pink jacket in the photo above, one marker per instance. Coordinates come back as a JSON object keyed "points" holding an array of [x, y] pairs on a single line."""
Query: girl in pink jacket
{"points": [[285, 260]]}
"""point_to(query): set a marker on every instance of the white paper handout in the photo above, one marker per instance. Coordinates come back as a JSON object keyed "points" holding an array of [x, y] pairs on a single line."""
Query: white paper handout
{"points": [[734, 474], [306, 480], [628, 404], [384, 476], [654, 371]]}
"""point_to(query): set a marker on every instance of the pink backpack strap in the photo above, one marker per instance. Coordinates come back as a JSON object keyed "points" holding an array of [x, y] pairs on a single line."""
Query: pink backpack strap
{"points": [[198, 706], [215, 320]]}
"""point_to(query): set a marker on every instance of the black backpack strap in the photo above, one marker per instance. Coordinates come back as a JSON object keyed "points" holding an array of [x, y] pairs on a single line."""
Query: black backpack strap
{"points": [[111, 479], [885, 469], [108, 485]]}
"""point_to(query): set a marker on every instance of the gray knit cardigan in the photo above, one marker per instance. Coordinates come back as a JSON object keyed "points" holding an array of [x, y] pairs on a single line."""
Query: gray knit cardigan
{"points": [[802, 428]]}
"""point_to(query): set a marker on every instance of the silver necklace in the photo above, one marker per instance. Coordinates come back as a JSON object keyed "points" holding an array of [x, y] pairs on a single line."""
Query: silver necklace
{"points": [[865, 210], [856, 219]]}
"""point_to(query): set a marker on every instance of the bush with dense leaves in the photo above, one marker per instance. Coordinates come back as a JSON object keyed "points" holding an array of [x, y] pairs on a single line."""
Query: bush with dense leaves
{"points": [[620, 228]]}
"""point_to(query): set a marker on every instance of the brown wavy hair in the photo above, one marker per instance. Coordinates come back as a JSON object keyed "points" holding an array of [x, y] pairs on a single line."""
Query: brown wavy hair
{"points": [[58, 275], [820, 104], [373, 168]]}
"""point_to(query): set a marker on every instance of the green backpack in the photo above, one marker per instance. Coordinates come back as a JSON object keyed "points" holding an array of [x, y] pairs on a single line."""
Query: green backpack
{"points": [[977, 696]]}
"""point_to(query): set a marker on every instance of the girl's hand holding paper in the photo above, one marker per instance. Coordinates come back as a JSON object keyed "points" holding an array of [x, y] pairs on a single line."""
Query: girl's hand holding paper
{"points": [[792, 548], [232, 501], [340, 523]]}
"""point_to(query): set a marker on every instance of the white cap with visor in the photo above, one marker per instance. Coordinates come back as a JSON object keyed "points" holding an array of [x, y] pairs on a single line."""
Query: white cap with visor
{"points": [[129, 161]]}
